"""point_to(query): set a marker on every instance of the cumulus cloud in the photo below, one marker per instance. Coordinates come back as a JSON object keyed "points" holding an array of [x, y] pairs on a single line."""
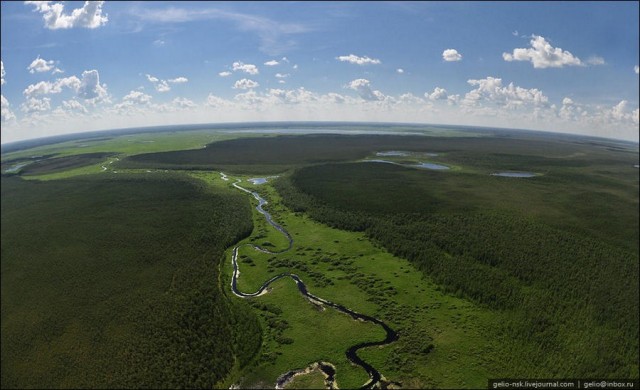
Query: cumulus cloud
{"points": [[225, 74], [400, 70], [282, 75], [41, 65], [183, 103], [74, 106], [437, 94], [32, 105], [178, 80], [217, 102], [247, 68], [245, 84], [6, 113], [636, 69], [490, 90], [543, 55], [88, 16], [90, 87], [137, 97], [3, 73], [354, 59], [450, 55], [363, 87], [87, 87], [47, 87], [272, 63], [163, 85]]}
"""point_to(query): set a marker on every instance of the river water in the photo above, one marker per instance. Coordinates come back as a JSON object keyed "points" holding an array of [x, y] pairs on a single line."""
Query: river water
{"points": [[351, 353]]}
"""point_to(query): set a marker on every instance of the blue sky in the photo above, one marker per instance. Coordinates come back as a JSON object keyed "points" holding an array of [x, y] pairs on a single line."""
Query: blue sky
{"points": [[557, 66]]}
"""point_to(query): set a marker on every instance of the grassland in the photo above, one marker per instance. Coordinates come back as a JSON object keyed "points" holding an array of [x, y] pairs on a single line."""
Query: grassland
{"points": [[481, 276], [346, 268]]}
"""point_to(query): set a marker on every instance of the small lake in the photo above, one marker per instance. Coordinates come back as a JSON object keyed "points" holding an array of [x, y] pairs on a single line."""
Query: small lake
{"points": [[514, 174], [15, 168], [382, 161], [258, 180], [433, 166], [392, 153]]}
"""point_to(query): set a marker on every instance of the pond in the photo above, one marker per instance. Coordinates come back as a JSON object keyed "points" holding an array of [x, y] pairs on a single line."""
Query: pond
{"points": [[514, 174], [382, 161], [433, 166], [258, 180], [392, 153], [15, 168]]}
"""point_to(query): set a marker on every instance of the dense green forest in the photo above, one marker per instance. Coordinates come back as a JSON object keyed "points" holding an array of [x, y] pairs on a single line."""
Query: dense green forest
{"points": [[270, 154], [570, 288], [112, 282]]}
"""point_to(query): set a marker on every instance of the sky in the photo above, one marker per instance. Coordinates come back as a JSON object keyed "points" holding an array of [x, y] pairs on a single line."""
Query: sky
{"points": [[554, 66]]}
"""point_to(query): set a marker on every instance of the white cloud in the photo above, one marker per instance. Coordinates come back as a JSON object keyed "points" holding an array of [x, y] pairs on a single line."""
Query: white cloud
{"points": [[183, 103], [247, 68], [595, 60], [178, 80], [363, 87], [88, 16], [6, 113], [636, 69], [295, 66], [354, 59], [3, 73], [137, 97], [543, 55], [437, 94], [490, 90], [245, 84], [47, 87], [74, 105], [41, 65], [282, 75], [90, 87], [400, 70], [225, 74], [272, 63], [32, 105], [217, 102], [450, 55], [163, 85]]}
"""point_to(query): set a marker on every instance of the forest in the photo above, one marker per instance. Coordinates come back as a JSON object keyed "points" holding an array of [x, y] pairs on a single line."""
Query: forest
{"points": [[571, 294], [111, 282]]}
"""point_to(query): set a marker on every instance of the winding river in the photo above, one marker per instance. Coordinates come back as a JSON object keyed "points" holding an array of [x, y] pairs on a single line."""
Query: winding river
{"points": [[391, 336]]}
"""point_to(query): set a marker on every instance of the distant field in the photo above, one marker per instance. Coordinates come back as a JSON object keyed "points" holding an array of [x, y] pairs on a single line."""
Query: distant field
{"points": [[279, 153], [57, 164]]}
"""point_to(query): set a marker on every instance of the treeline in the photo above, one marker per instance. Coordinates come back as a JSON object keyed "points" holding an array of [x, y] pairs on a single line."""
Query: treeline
{"points": [[571, 299], [112, 281]]}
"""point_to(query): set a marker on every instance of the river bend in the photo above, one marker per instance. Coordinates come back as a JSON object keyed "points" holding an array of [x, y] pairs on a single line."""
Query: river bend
{"points": [[351, 353]]}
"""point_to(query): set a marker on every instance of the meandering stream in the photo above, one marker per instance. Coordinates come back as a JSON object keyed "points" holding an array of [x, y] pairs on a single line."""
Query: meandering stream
{"points": [[391, 335]]}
